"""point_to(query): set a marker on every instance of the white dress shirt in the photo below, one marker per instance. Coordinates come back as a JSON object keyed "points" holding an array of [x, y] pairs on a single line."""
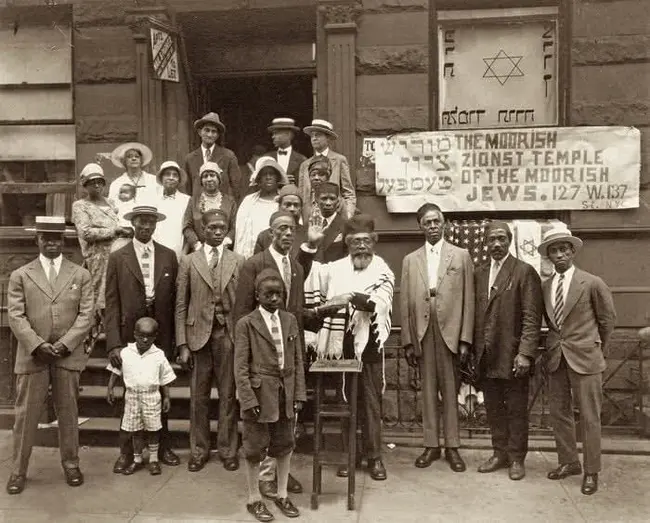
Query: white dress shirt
{"points": [[329, 220], [495, 267], [266, 315], [139, 251], [568, 276], [325, 152], [283, 159], [148, 370], [207, 250], [46, 263], [278, 260], [433, 261], [170, 232], [207, 152]]}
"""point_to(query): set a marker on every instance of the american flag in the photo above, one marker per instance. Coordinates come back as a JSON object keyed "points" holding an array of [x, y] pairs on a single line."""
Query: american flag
{"points": [[469, 234]]}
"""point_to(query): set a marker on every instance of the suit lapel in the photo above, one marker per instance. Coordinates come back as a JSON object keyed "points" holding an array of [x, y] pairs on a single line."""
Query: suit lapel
{"points": [[227, 266], [421, 262], [260, 326], [445, 259], [332, 231], [66, 272], [546, 291], [294, 164], [38, 276], [158, 264], [575, 290], [502, 278], [131, 261], [201, 265]]}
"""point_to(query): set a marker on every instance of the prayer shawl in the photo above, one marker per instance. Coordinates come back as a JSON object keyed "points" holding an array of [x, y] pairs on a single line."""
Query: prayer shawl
{"points": [[328, 280]]}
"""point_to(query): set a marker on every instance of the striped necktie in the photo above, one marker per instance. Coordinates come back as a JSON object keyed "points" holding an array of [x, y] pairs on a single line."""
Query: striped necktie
{"points": [[277, 338], [146, 266], [286, 275], [558, 309]]}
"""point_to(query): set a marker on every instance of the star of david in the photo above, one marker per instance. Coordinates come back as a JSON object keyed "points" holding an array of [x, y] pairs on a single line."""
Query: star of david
{"points": [[529, 247], [503, 67]]}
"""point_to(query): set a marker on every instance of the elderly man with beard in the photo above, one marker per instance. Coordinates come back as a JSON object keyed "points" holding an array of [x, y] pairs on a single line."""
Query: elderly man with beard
{"points": [[359, 288]]}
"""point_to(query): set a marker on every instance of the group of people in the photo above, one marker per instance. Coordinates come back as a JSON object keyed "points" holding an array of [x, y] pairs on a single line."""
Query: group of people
{"points": [[244, 289]]}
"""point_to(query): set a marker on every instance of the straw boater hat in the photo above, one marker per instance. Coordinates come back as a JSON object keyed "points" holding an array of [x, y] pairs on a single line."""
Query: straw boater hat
{"points": [[558, 234], [267, 161], [279, 124], [91, 171], [117, 156], [212, 118], [210, 166], [321, 125], [149, 210], [170, 164], [54, 224]]}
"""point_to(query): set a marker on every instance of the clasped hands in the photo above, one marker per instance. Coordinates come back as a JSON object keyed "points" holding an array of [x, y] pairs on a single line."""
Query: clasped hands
{"points": [[413, 360], [255, 412], [49, 352]]}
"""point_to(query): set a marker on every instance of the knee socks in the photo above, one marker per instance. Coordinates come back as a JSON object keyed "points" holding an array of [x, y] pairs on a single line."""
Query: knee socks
{"points": [[284, 464], [252, 476]]}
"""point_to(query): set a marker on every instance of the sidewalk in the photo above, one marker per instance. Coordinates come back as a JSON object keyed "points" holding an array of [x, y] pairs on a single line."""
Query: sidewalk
{"points": [[409, 495]]}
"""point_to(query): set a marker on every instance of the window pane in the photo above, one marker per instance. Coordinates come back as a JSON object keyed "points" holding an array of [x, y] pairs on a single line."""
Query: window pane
{"points": [[20, 209], [37, 142], [35, 104]]}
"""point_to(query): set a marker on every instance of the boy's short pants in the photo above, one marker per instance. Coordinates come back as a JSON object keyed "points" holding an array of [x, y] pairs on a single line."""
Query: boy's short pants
{"points": [[272, 439], [142, 410]]}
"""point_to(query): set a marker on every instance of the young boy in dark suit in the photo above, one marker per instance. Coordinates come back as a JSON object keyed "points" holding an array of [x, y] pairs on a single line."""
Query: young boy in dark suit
{"points": [[270, 380]]}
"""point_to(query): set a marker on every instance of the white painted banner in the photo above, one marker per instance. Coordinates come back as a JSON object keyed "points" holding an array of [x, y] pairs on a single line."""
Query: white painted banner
{"points": [[164, 55], [559, 168]]}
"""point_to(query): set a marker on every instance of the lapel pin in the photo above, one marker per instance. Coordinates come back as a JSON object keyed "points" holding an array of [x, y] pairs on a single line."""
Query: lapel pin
{"points": [[74, 287]]}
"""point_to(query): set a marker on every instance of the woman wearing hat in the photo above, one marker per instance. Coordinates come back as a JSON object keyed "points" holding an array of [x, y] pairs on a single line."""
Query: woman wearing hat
{"points": [[172, 204], [133, 157], [97, 222], [256, 209], [209, 197]]}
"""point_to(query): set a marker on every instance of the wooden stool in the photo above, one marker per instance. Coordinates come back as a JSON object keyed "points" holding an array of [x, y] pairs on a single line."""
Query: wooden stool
{"points": [[349, 369]]}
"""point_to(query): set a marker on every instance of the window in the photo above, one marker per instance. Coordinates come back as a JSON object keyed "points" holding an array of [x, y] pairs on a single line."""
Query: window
{"points": [[37, 132]]}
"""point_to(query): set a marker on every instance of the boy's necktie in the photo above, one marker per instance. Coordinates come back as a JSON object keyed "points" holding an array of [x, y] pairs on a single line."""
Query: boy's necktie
{"points": [[277, 338]]}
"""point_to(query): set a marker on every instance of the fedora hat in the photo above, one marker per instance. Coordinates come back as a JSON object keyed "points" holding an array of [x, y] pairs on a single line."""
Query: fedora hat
{"points": [[149, 210], [91, 171], [283, 123], [557, 234], [267, 161], [171, 164], [321, 125], [212, 118], [117, 156]]}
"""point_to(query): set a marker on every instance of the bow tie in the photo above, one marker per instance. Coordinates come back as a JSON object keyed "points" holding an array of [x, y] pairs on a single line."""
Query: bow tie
{"points": [[169, 196], [282, 152]]}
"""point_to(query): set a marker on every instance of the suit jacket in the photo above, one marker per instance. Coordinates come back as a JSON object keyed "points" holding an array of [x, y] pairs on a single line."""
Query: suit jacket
{"points": [[195, 296], [231, 177], [39, 314], [126, 299], [257, 374], [508, 322], [332, 246], [589, 319], [192, 225], [265, 238], [295, 160], [454, 297], [340, 176]]}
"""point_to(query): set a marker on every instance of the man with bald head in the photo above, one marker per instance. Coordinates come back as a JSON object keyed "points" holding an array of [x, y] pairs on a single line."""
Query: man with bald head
{"points": [[508, 318]]}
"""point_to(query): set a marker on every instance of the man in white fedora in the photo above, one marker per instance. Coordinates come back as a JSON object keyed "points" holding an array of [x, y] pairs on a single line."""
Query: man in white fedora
{"points": [[172, 203], [283, 131], [580, 315], [50, 311], [133, 157], [212, 130], [322, 135]]}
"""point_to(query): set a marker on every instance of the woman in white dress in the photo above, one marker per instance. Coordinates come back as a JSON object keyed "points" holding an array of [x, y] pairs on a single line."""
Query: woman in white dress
{"points": [[173, 204]]}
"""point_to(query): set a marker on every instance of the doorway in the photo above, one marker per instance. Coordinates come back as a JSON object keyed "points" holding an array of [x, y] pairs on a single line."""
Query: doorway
{"points": [[248, 104]]}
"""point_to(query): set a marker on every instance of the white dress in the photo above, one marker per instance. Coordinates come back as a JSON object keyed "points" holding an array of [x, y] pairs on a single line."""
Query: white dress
{"points": [[169, 232], [252, 218]]}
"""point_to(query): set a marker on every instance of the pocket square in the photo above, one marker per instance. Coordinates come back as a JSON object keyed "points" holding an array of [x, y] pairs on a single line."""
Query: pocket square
{"points": [[339, 238], [74, 287], [165, 275]]}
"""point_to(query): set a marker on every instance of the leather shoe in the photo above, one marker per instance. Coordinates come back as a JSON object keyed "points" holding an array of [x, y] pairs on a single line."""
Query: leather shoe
{"points": [[495, 462], [342, 471], [268, 489], [589, 484], [168, 457], [196, 463], [294, 486], [132, 468], [73, 477], [377, 469], [231, 464], [429, 455], [456, 463], [122, 462], [517, 471], [154, 468], [259, 511], [566, 470], [287, 507], [16, 484]]}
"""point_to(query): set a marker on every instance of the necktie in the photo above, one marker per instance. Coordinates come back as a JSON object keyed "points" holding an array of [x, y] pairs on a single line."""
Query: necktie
{"points": [[558, 310], [214, 261], [286, 274], [52, 274], [324, 222], [169, 196], [146, 266], [282, 152], [277, 339], [207, 155], [493, 276]]}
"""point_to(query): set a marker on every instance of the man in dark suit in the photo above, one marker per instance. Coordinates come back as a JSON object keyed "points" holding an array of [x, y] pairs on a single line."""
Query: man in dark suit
{"points": [[205, 298], [141, 281], [580, 315], [282, 132], [212, 130], [50, 311], [508, 319], [332, 247], [289, 200], [277, 257]]}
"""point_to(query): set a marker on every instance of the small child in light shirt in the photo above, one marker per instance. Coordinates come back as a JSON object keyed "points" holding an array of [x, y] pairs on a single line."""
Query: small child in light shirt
{"points": [[125, 202], [146, 373]]}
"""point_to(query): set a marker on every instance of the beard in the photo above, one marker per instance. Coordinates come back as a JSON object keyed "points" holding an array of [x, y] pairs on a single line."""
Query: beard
{"points": [[361, 261]]}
